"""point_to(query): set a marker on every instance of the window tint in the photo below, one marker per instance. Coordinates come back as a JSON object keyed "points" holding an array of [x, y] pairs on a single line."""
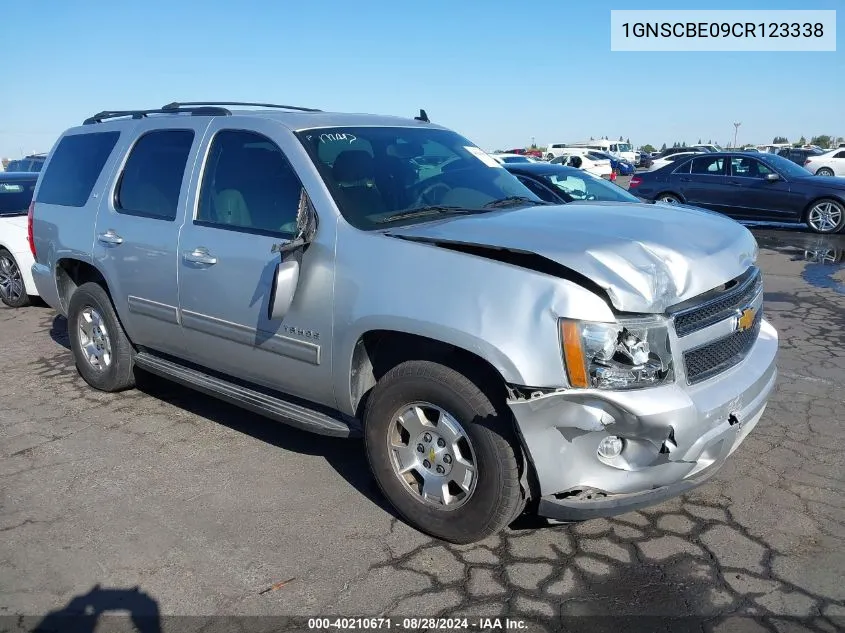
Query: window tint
{"points": [[748, 168], [538, 190], [706, 166], [377, 176], [74, 168], [839, 155], [152, 178], [249, 184], [15, 196]]}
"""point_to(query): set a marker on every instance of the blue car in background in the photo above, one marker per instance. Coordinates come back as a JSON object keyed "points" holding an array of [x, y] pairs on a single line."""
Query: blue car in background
{"points": [[619, 165]]}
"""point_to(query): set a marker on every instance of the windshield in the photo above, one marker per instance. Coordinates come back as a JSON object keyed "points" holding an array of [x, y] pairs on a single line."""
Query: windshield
{"points": [[598, 155], [376, 172], [15, 196], [582, 186], [624, 147], [786, 166]]}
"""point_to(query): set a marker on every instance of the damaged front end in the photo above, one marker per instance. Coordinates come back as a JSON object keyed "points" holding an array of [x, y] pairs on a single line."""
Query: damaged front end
{"points": [[610, 447]]}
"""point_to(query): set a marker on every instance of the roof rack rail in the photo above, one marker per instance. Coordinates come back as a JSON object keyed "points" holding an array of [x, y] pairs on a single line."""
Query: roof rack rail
{"points": [[182, 104], [140, 114]]}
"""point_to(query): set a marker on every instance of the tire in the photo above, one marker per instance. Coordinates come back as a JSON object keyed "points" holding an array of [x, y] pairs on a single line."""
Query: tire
{"points": [[103, 334], [12, 287], [550, 156], [495, 499], [825, 171], [825, 216], [668, 198]]}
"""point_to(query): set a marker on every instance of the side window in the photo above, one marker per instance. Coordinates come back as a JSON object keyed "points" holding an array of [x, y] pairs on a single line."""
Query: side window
{"points": [[152, 177], [749, 168], [537, 189], [839, 155], [683, 168], [249, 184], [706, 166], [74, 168]]}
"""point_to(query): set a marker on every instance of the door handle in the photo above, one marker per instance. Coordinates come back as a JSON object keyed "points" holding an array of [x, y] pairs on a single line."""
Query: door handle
{"points": [[200, 255], [110, 237]]}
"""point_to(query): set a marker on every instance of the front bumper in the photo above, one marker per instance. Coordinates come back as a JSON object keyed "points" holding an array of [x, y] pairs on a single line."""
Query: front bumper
{"points": [[675, 437]]}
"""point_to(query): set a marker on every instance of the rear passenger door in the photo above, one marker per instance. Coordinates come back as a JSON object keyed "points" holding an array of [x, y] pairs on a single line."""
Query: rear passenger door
{"points": [[248, 197], [702, 181], [136, 238]]}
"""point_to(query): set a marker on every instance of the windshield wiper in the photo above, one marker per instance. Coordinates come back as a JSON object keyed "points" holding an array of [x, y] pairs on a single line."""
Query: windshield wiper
{"points": [[429, 210], [512, 201]]}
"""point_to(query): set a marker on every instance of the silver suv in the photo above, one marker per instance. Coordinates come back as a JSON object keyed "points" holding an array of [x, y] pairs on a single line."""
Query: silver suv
{"points": [[368, 275]]}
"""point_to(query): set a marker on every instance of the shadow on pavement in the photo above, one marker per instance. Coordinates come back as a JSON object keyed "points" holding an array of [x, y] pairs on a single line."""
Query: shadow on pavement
{"points": [[84, 612]]}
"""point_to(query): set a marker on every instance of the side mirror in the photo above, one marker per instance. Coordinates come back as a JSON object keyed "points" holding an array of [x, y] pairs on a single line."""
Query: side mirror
{"points": [[286, 276], [285, 281], [772, 177]]}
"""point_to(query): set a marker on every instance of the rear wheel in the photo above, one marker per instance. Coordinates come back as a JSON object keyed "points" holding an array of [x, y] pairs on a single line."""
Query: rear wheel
{"points": [[668, 198], [825, 216], [442, 453], [12, 289], [100, 347], [825, 171]]}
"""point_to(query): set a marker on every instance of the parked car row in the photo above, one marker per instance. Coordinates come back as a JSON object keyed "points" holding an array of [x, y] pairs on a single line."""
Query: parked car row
{"points": [[357, 275], [748, 186]]}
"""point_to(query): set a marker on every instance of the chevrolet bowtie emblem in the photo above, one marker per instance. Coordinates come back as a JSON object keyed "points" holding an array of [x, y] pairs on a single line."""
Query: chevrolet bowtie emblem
{"points": [[745, 319]]}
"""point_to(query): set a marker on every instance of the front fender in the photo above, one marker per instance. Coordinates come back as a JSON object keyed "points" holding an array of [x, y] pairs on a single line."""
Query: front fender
{"points": [[505, 314]]}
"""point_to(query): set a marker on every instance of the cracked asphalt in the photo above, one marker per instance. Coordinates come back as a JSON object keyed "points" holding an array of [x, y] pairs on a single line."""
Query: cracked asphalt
{"points": [[203, 506]]}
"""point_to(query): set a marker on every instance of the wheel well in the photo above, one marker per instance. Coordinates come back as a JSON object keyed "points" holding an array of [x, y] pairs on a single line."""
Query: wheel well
{"points": [[72, 273], [378, 351]]}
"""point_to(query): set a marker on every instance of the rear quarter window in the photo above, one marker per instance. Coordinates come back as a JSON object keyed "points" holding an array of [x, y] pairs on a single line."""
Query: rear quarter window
{"points": [[74, 168]]}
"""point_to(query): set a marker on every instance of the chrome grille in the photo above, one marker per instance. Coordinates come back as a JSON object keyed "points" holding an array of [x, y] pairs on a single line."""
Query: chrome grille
{"points": [[713, 358], [722, 305]]}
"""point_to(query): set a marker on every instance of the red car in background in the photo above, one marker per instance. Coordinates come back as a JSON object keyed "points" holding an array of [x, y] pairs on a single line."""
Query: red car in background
{"points": [[534, 153]]}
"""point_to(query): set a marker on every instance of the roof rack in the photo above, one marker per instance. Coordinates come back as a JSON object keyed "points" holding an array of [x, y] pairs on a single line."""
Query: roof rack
{"points": [[181, 104], [140, 114]]}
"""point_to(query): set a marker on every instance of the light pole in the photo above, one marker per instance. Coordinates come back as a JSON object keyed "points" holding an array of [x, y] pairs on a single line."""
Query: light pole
{"points": [[736, 131]]}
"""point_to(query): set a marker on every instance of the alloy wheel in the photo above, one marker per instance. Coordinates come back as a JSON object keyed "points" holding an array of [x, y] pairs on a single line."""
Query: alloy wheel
{"points": [[825, 217], [94, 339], [11, 281], [432, 455]]}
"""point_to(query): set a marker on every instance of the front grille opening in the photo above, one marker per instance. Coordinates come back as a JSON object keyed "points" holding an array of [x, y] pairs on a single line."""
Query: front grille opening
{"points": [[713, 358], [737, 294]]}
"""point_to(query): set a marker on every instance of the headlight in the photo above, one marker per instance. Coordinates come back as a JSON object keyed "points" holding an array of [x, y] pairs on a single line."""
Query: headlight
{"points": [[627, 354]]}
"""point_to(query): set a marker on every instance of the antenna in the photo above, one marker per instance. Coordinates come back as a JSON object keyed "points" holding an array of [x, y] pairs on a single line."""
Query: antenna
{"points": [[422, 117]]}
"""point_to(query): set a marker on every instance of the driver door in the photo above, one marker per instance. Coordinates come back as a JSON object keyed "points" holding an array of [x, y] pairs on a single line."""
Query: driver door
{"points": [[247, 201]]}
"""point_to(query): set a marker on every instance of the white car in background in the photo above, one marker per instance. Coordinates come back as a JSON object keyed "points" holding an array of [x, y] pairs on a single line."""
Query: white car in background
{"points": [[513, 158], [16, 284], [671, 158], [831, 163], [581, 158]]}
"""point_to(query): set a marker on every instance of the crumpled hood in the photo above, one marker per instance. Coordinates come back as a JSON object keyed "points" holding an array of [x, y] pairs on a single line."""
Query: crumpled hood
{"points": [[647, 257]]}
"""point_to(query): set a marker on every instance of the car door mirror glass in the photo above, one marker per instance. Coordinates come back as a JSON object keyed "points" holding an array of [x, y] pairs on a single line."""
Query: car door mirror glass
{"points": [[772, 177]]}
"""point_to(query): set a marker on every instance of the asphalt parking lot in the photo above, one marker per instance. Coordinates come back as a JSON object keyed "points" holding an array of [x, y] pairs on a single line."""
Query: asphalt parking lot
{"points": [[203, 507]]}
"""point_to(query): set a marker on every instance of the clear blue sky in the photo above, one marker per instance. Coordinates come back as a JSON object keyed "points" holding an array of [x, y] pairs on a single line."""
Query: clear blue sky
{"points": [[497, 71]]}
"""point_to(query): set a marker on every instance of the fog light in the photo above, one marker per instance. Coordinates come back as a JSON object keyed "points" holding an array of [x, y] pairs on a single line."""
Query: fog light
{"points": [[611, 447]]}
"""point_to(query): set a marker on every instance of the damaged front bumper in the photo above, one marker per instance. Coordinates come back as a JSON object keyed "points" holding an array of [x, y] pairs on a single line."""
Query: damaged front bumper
{"points": [[675, 437]]}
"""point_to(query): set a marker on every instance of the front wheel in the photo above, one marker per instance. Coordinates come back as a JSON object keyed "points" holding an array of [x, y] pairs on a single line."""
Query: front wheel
{"points": [[442, 453], [826, 216], [825, 171]]}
